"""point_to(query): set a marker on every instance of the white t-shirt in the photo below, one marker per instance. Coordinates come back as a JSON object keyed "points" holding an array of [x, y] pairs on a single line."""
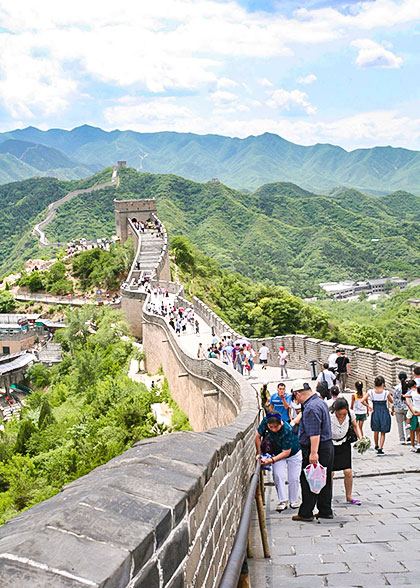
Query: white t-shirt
{"points": [[332, 360], [283, 355], [339, 431], [331, 401], [414, 399], [329, 377], [264, 351]]}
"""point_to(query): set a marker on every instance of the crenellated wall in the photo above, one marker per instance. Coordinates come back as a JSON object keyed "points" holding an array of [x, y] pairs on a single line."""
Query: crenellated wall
{"points": [[365, 364]]}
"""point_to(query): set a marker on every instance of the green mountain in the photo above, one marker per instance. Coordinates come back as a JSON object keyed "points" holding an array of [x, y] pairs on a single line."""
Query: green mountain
{"points": [[22, 205], [24, 159], [244, 164], [281, 233]]}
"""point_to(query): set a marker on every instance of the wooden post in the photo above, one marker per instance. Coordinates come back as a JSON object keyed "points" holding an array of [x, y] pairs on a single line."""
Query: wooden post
{"points": [[261, 520], [249, 549], [262, 474], [244, 577]]}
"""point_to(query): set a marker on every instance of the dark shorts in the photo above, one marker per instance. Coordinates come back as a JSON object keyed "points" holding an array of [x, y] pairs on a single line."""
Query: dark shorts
{"points": [[361, 417], [263, 360]]}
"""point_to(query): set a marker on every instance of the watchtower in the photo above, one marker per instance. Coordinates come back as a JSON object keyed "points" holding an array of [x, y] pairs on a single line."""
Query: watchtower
{"points": [[129, 209]]}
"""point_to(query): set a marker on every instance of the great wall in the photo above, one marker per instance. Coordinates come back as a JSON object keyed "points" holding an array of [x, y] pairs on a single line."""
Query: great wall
{"points": [[165, 513]]}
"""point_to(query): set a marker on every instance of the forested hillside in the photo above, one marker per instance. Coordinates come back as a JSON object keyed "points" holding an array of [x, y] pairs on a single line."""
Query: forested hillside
{"points": [[24, 203], [281, 233], [242, 163]]}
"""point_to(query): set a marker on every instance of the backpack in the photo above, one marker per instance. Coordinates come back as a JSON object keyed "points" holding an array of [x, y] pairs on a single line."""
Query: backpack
{"points": [[323, 387]]}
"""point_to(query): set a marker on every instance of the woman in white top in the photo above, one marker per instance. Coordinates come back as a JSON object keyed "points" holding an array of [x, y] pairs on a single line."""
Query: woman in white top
{"points": [[380, 421], [342, 421], [359, 407]]}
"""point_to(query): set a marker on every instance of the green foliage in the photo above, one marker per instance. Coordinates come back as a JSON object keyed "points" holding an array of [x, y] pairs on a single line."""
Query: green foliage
{"points": [[389, 324], [39, 375], [45, 415], [89, 413], [256, 310], [26, 430], [7, 301], [98, 267], [180, 420]]}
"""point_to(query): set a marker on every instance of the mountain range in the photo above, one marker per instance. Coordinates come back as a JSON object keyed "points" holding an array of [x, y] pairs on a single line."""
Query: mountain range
{"points": [[244, 164], [280, 233]]}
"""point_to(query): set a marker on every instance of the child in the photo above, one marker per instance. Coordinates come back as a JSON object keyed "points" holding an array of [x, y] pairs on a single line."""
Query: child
{"points": [[412, 399], [359, 407]]}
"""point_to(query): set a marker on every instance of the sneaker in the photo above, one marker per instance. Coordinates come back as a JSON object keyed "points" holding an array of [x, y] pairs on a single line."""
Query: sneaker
{"points": [[413, 450], [381, 452], [376, 447], [295, 505], [281, 506]]}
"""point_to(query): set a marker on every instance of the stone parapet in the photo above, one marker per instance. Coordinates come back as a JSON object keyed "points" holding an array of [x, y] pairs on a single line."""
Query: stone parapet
{"points": [[164, 514]]}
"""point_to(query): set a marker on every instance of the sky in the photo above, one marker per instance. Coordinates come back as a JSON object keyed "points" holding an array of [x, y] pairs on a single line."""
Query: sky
{"points": [[311, 71]]}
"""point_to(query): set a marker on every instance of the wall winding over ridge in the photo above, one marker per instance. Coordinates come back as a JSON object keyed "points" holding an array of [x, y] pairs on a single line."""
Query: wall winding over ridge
{"points": [[165, 513]]}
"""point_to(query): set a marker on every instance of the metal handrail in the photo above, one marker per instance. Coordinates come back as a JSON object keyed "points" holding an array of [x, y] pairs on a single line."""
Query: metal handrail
{"points": [[233, 567]]}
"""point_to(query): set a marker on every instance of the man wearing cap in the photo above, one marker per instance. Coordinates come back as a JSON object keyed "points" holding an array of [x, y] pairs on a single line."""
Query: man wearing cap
{"points": [[283, 355], [315, 439]]}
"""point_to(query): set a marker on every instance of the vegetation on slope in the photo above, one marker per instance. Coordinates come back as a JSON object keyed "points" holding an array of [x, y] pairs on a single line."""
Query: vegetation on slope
{"points": [[389, 324], [83, 412], [23, 204]]}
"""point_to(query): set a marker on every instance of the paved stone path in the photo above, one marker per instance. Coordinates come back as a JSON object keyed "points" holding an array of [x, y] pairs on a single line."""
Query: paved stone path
{"points": [[375, 544]]}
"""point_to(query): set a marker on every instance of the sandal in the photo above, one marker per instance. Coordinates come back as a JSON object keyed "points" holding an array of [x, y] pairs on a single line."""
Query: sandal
{"points": [[354, 501]]}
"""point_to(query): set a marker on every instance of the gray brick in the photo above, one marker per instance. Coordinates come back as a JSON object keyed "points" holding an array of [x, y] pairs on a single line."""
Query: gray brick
{"points": [[19, 575], [174, 553], [63, 551], [355, 579], [322, 569], [148, 577]]}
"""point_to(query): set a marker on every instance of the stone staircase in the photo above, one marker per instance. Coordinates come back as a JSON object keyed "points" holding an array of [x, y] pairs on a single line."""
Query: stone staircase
{"points": [[151, 249]]}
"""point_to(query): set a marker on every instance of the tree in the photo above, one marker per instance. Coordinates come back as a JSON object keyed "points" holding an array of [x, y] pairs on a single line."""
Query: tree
{"points": [[46, 416], [7, 302], [39, 375], [26, 430]]}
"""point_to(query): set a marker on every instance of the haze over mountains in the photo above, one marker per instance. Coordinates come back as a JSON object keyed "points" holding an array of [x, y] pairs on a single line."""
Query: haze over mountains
{"points": [[244, 164]]}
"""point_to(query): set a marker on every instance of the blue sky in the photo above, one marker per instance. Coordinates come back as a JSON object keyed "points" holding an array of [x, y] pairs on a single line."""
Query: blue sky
{"points": [[312, 71]]}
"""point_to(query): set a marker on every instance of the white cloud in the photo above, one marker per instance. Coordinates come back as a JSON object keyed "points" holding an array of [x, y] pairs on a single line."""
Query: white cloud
{"points": [[224, 83], [134, 114], [307, 79], [222, 98], [265, 82], [372, 54], [293, 101]]}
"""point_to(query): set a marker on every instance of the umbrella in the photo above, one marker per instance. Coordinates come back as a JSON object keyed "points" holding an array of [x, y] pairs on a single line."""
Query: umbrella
{"points": [[241, 342], [226, 334]]}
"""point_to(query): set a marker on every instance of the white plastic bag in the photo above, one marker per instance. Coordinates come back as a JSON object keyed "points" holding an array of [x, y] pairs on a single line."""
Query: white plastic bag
{"points": [[316, 476]]}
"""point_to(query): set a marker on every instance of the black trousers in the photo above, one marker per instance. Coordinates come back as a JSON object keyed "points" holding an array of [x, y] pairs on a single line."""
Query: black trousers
{"points": [[324, 498]]}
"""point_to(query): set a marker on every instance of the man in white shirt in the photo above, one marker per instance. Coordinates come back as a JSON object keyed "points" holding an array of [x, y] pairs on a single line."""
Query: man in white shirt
{"points": [[263, 354], [332, 361], [325, 376]]}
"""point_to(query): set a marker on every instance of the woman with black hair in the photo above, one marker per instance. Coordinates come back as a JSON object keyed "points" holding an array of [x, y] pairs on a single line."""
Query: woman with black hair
{"points": [[381, 419], [400, 406], [360, 408], [343, 422], [275, 437]]}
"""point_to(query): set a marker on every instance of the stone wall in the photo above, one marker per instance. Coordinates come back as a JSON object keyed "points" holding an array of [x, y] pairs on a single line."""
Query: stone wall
{"points": [[365, 364], [162, 515]]}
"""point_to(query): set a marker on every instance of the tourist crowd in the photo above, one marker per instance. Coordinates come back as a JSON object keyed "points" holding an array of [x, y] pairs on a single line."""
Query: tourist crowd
{"points": [[319, 427]]}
